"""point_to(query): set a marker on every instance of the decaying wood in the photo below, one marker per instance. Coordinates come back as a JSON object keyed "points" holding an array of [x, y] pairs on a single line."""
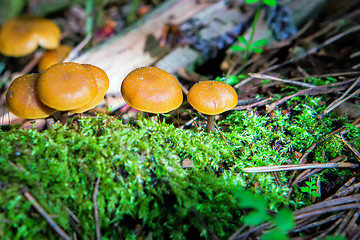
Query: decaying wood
{"points": [[138, 45]]}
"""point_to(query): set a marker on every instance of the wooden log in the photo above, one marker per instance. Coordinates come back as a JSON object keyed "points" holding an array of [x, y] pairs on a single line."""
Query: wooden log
{"points": [[127, 51]]}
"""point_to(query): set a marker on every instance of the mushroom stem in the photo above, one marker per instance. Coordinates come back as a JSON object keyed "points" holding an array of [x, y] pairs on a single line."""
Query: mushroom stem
{"points": [[211, 123], [63, 117], [49, 121], [153, 116]]}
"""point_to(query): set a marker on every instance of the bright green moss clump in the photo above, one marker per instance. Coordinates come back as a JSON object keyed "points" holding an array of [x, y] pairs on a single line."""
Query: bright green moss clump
{"points": [[142, 185]]}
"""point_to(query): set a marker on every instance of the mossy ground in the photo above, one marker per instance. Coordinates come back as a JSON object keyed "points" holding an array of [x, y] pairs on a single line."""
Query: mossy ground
{"points": [[144, 191]]}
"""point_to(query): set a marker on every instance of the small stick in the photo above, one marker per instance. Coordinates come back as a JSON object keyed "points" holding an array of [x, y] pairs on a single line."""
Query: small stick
{"points": [[318, 223], [37, 56], [263, 76], [43, 213], [324, 89], [354, 150], [260, 103], [345, 221], [96, 210], [296, 167], [308, 173], [342, 98], [352, 222], [75, 51], [223, 137], [340, 74]]}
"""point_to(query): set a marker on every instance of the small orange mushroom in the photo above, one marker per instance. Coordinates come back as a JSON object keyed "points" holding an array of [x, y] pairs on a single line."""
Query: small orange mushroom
{"points": [[102, 82], [22, 36], [51, 57], [66, 86], [152, 90], [22, 98], [212, 98]]}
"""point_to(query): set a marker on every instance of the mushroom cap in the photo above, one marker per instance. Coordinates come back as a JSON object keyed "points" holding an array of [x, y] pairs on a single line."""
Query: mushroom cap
{"points": [[151, 89], [51, 57], [21, 36], [66, 86], [102, 82], [22, 98], [212, 97]]}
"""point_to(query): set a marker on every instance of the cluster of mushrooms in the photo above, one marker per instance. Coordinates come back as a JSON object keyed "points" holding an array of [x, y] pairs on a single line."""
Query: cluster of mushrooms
{"points": [[23, 35], [65, 87], [154, 90], [75, 88]]}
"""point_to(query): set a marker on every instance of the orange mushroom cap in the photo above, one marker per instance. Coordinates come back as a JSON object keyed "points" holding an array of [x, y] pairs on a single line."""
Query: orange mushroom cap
{"points": [[151, 89], [21, 36], [22, 98], [66, 86], [212, 97], [102, 82], [51, 57]]}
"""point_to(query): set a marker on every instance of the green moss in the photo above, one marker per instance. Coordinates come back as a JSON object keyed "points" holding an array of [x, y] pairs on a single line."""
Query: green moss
{"points": [[142, 182], [144, 191]]}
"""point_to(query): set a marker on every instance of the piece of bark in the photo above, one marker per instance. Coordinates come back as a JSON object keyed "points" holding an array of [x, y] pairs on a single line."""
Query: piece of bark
{"points": [[127, 51]]}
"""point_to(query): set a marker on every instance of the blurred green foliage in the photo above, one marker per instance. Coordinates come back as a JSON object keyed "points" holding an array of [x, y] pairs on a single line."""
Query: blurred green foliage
{"points": [[10, 9]]}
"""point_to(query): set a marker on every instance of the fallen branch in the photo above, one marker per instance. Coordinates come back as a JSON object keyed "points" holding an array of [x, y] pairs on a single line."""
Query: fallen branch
{"points": [[297, 167], [47, 217], [324, 89], [96, 209]]}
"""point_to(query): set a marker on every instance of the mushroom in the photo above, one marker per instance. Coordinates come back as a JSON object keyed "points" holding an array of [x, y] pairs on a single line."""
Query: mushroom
{"points": [[66, 86], [151, 89], [22, 98], [212, 98], [102, 82], [22, 36], [51, 57]]}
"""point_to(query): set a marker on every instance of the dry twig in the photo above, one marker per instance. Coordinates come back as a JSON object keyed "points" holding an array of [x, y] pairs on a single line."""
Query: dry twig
{"points": [[96, 209], [296, 167], [45, 215]]}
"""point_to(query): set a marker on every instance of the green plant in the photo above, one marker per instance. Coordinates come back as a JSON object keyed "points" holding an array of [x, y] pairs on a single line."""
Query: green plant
{"points": [[311, 188], [283, 221], [250, 46]]}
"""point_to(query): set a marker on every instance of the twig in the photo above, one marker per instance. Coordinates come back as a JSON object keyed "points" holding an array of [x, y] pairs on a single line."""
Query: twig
{"points": [[296, 167], [351, 222], [327, 231], [263, 76], [243, 107], [37, 56], [331, 25], [223, 137], [345, 221], [96, 209], [328, 203], [326, 75], [354, 150], [318, 223], [329, 209], [75, 51], [302, 160], [45, 215], [308, 173], [324, 89], [342, 98], [346, 191]]}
